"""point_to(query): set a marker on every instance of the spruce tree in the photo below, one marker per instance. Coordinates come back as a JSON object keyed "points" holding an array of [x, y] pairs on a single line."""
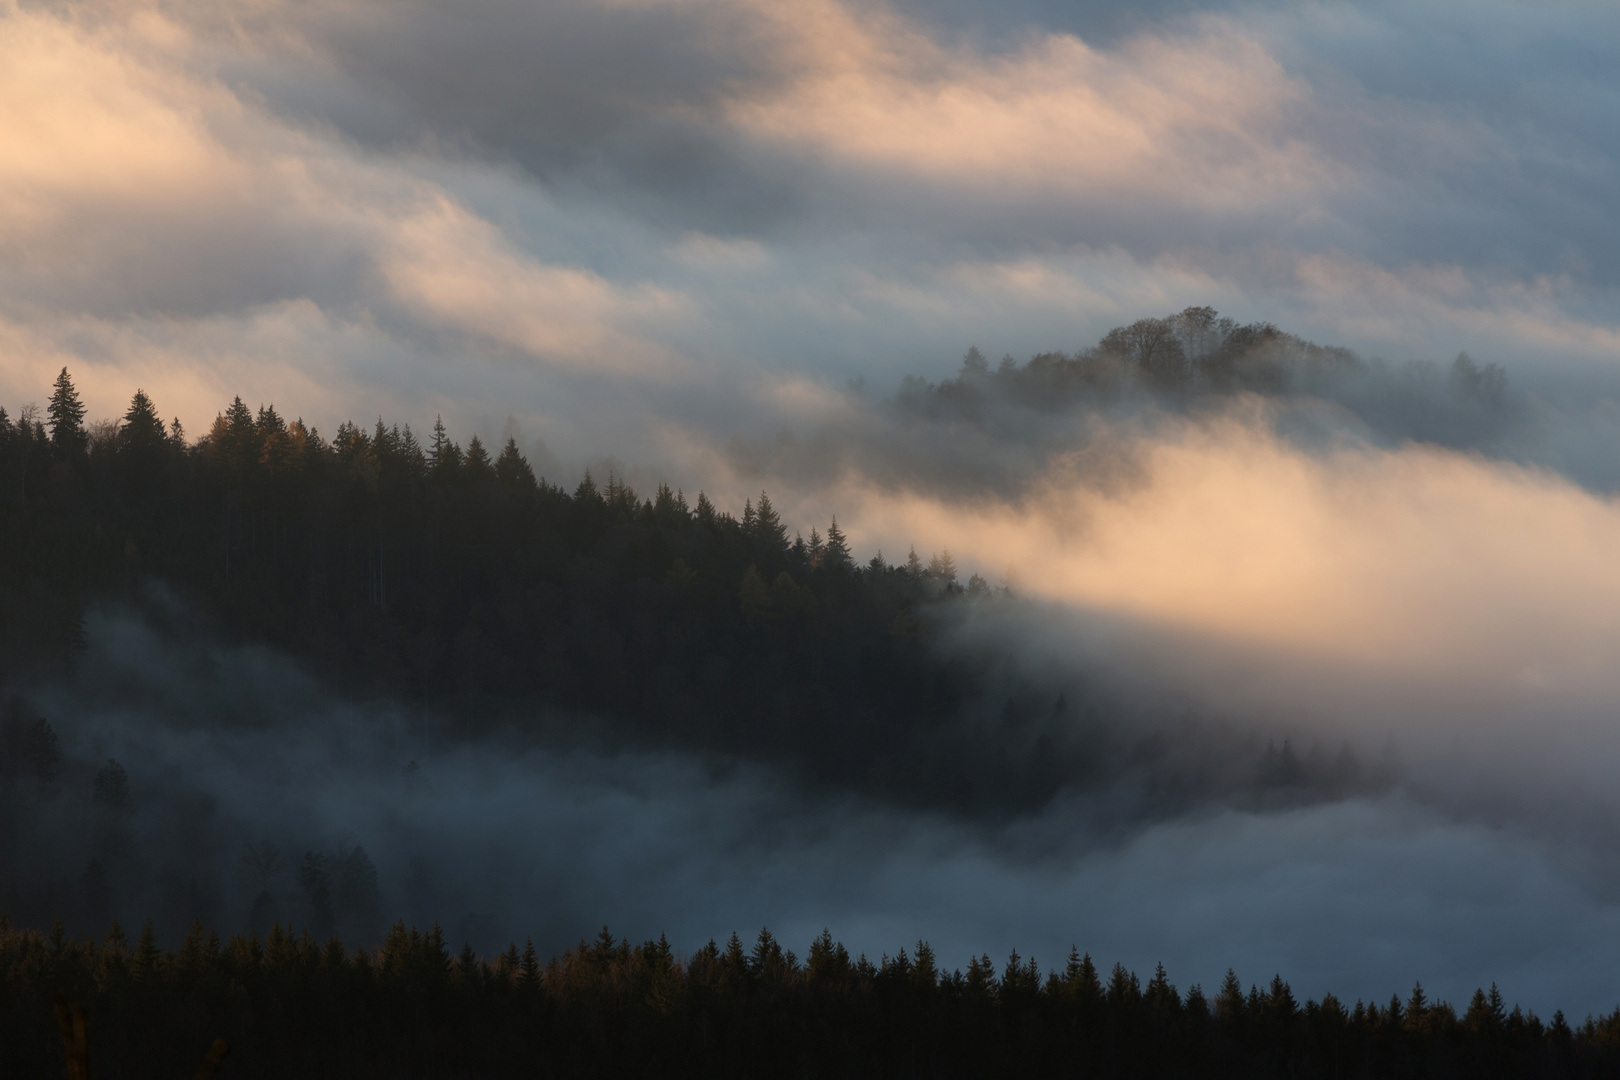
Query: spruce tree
{"points": [[837, 557], [477, 463], [914, 564], [769, 531], [439, 450], [142, 432], [66, 414], [511, 468]]}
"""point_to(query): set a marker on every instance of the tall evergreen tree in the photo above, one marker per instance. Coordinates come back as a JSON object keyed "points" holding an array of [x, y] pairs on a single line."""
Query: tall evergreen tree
{"points": [[838, 557], [477, 462], [142, 431], [769, 532], [66, 413], [512, 469], [439, 450], [914, 564]]}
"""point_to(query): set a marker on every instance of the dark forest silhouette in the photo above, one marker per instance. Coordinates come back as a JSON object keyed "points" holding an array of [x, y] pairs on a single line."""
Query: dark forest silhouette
{"points": [[444, 574], [289, 1005]]}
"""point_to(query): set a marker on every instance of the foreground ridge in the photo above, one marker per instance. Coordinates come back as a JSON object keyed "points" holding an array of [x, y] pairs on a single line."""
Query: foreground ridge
{"points": [[288, 1005]]}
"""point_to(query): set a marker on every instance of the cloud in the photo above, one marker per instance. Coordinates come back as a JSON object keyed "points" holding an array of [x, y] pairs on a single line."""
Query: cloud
{"points": [[1411, 559], [452, 267], [1200, 120]]}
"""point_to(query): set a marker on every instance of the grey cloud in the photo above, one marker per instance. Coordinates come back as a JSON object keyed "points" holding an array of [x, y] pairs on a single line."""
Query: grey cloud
{"points": [[1440, 161]]}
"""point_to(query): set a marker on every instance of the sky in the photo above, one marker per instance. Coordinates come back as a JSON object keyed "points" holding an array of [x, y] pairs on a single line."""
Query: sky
{"points": [[702, 241], [617, 222]]}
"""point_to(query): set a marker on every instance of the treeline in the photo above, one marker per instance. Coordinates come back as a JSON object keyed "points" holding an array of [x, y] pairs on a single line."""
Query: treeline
{"points": [[1199, 352], [290, 1006], [447, 573]]}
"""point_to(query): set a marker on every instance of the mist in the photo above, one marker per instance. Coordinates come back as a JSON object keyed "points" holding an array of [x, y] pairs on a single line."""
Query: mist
{"points": [[1218, 402], [505, 838]]}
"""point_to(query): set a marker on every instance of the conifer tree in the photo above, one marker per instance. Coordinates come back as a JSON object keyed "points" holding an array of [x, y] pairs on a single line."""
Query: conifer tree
{"points": [[586, 493], [439, 450], [477, 463], [66, 413], [529, 968], [914, 564], [1229, 1004], [837, 557], [1160, 993], [511, 468], [142, 431], [769, 531]]}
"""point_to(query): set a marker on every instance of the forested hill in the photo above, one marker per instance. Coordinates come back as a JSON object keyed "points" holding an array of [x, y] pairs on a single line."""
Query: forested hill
{"points": [[427, 571], [1197, 356], [449, 574]]}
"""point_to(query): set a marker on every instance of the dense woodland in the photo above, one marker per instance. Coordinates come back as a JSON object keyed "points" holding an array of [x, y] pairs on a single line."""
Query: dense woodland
{"points": [[429, 571], [290, 1006], [446, 573]]}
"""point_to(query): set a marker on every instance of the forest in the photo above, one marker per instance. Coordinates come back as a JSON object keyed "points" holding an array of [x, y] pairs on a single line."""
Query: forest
{"points": [[424, 570], [288, 1005], [419, 569]]}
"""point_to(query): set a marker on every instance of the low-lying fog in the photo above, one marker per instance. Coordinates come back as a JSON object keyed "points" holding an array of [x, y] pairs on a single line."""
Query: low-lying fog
{"points": [[229, 752]]}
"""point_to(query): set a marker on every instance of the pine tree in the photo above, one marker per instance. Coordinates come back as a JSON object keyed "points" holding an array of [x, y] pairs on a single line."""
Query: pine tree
{"points": [[232, 440], [705, 510], [529, 968], [914, 565], [1417, 1009], [586, 493], [943, 568], [1229, 1004], [837, 557], [147, 953], [142, 432], [441, 450], [66, 413], [477, 463], [511, 468], [769, 532], [1160, 993], [1281, 1000]]}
